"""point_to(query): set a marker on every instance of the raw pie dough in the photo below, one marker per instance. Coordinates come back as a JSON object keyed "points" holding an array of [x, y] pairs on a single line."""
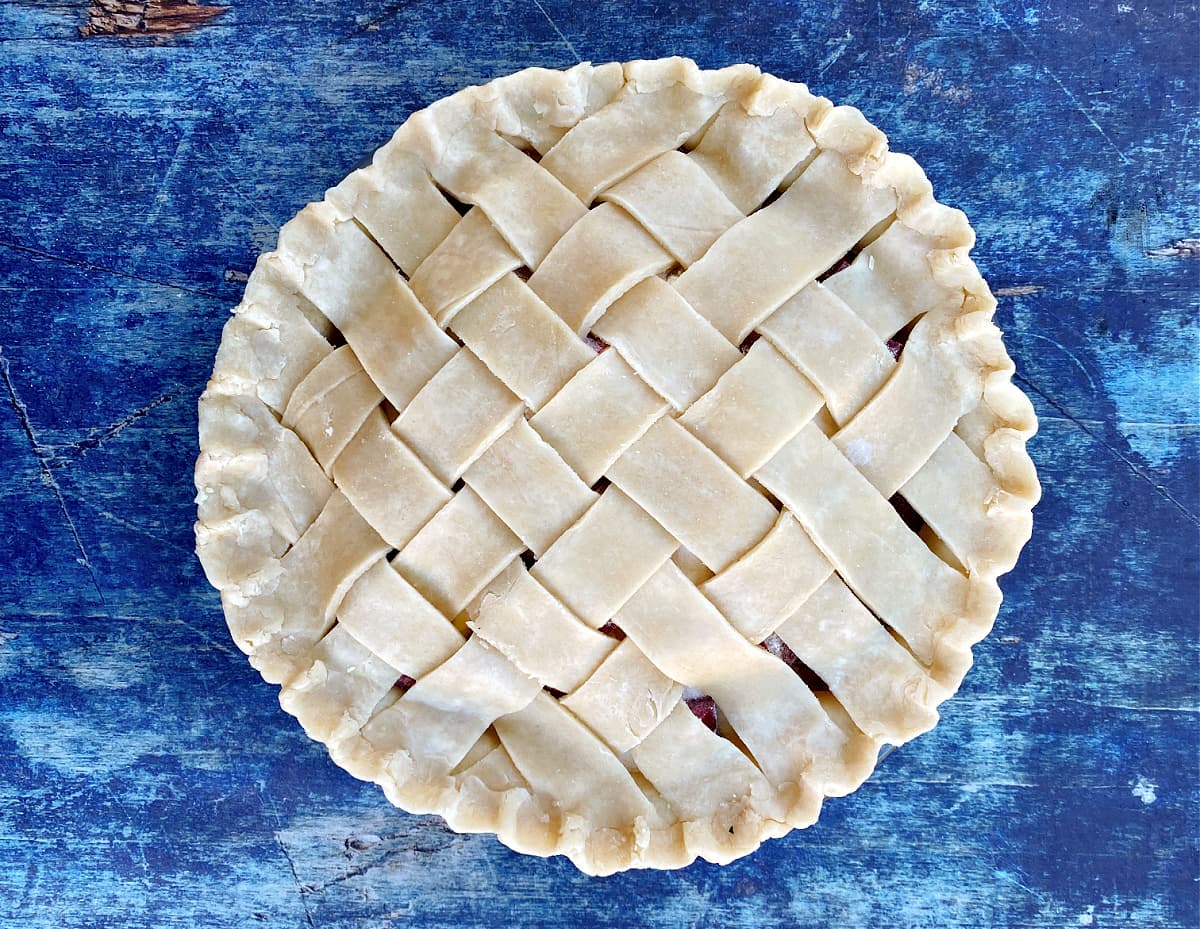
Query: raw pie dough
{"points": [[565, 433]]}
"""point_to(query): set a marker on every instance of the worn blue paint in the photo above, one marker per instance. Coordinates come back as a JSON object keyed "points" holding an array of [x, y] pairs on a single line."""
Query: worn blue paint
{"points": [[148, 777]]}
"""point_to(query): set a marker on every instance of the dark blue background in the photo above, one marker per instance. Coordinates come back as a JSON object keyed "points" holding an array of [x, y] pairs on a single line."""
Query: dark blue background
{"points": [[149, 778]]}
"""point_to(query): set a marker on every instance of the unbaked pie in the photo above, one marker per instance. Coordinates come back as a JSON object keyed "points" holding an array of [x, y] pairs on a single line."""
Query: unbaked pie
{"points": [[618, 462]]}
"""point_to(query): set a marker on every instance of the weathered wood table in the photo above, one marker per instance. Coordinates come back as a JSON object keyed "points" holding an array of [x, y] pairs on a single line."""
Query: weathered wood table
{"points": [[147, 776]]}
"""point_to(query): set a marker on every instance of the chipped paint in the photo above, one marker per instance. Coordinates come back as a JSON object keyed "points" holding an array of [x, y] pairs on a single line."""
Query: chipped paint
{"points": [[919, 78], [1150, 419], [1180, 248], [147, 17], [1144, 790]]}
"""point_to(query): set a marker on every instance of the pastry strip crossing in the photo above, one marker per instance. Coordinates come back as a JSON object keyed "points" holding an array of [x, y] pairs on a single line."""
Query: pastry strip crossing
{"points": [[457, 534]]}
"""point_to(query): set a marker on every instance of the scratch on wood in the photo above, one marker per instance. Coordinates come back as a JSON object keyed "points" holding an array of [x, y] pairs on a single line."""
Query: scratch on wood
{"points": [[1019, 290], [1122, 423], [63, 455], [125, 422], [840, 46], [148, 17], [88, 266], [269, 808], [1008, 876], [210, 642], [22, 412], [372, 24], [350, 873], [161, 197], [385, 847], [1074, 358], [132, 527], [98, 437], [1180, 248], [1059, 84], [270, 226], [554, 26], [301, 888]]}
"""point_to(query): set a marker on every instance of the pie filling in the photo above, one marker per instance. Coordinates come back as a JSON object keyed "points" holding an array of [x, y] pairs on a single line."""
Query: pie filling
{"points": [[703, 707]]}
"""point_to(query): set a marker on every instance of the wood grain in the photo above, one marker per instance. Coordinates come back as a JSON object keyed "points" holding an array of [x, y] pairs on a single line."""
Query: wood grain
{"points": [[148, 778]]}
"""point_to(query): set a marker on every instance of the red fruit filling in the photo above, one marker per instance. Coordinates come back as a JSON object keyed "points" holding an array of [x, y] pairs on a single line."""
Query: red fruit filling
{"points": [[895, 347], [779, 648], [595, 343], [704, 708], [404, 682], [613, 631], [842, 264], [911, 517]]}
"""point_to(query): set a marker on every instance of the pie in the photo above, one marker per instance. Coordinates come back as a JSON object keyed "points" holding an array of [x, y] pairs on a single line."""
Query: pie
{"points": [[618, 462]]}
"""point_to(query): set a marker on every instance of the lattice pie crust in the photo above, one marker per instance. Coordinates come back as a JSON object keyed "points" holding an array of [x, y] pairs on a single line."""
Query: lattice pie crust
{"points": [[575, 487]]}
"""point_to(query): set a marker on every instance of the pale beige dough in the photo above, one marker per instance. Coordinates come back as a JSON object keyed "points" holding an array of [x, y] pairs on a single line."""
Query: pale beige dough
{"points": [[564, 415]]}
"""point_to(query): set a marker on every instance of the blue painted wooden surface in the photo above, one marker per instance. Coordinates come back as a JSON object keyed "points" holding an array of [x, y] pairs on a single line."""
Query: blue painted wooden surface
{"points": [[149, 778]]}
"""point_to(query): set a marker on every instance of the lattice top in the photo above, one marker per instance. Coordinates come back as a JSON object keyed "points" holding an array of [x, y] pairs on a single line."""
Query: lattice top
{"points": [[617, 462]]}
